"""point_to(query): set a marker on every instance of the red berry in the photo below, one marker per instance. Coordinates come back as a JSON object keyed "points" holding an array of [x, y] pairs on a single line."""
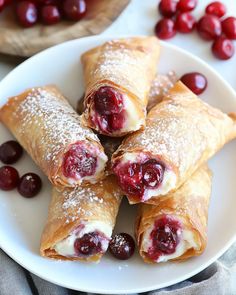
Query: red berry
{"points": [[186, 5], [185, 22], [9, 178], [153, 173], [216, 8], [74, 9], [27, 13], [50, 14], [2, 5], [165, 29], [229, 27], [223, 48], [10, 152], [195, 82], [209, 27], [168, 8], [89, 244], [122, 246], [29, 185]]}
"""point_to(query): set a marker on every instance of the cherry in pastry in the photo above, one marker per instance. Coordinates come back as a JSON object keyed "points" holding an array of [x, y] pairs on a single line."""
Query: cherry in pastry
{"points": [[89, 244]]}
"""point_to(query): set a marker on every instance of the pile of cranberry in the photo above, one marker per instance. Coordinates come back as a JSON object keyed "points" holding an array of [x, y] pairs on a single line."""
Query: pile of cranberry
{"points": [[48, 12], [210, 27], [27, 185]]}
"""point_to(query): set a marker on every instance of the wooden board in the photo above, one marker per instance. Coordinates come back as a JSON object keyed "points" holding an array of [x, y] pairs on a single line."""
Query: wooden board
{"points": [[15, 40]]}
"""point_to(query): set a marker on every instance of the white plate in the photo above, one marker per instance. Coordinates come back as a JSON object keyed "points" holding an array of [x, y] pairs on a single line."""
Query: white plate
{"points": [[22, 220]]}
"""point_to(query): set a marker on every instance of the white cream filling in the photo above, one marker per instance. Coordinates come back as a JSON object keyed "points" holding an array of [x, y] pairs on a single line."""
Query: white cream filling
{"points": [[167, 184], [66, 246], [186, 242]]}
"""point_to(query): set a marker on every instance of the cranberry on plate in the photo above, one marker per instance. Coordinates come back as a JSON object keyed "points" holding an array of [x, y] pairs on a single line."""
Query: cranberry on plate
{"points": [[209, 27], [186, 5], [165, 29], [216, 8], [229, 27], [10, 152], [29, 185], [168, 8], [122, 246], [185, 22], [223, 48], [27, 13], [195, 81], [9, 178]]}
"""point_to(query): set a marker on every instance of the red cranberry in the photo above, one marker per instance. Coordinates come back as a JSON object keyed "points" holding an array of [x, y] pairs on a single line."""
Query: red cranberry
{"points": [[122, 246], [78, 162], [223, 48], [195, 82], [29, 185], [209, 27], [186, 5], [165, 237], [74, 9], [216, 8], [152, 172], [185, 22], [50, 14], [168, 8], [108, 101], [27, 14], [87, 245], [165, 29], [9, 178], [10, 152], [229, 27], [2, 5]]}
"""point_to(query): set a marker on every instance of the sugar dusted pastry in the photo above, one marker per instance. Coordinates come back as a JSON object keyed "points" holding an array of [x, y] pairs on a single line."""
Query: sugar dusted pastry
{"points": [[182, 132], [118, 77], [51, 132], [80, 221], [176, 227]]}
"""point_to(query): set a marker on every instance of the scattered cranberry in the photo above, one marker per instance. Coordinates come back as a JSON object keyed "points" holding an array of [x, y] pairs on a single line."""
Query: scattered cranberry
{"points": [[2, 5], [223, 48], [195, 82], [165, 29], [216, 8], [186, 5], [229, 27], [122, 246], [74, 9], [168, 8], [27, 14], [50, 14], [209, 27], [29, 185], [9, 178], [10, 152], [87, 245], [185, 22]]}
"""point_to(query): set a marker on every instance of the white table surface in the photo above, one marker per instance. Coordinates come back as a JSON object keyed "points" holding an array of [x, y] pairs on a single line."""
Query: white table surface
{"points": [[140, 17]]}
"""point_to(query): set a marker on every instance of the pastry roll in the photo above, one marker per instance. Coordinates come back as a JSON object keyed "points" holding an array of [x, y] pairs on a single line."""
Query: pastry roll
{"points": [[176, 227], [118, 77], [51, 132], [80, 221], [182, 132]]}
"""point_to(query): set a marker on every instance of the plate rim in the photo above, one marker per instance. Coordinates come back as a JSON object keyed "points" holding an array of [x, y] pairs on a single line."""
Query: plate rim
{"points": [[143, 289]]}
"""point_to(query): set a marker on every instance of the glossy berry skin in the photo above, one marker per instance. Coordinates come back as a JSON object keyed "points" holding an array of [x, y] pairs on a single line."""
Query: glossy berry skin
{"points": [[89, 244], [185, 22], [74, 9], [195, 82], [168, 8], [50, 14], [223, 48], [216, 8], [2, 5], [27, 14], [29, 185], [165, 29], [186, 5], [122, 246], [10, 152], [229, 27], [209, 27], [9, 178]]}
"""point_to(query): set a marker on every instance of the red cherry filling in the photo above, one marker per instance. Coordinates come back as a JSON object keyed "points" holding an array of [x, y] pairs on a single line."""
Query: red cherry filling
{"points": [[165, 237], [134, 178], [108, 104], [78, 162], [88, 245]]}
